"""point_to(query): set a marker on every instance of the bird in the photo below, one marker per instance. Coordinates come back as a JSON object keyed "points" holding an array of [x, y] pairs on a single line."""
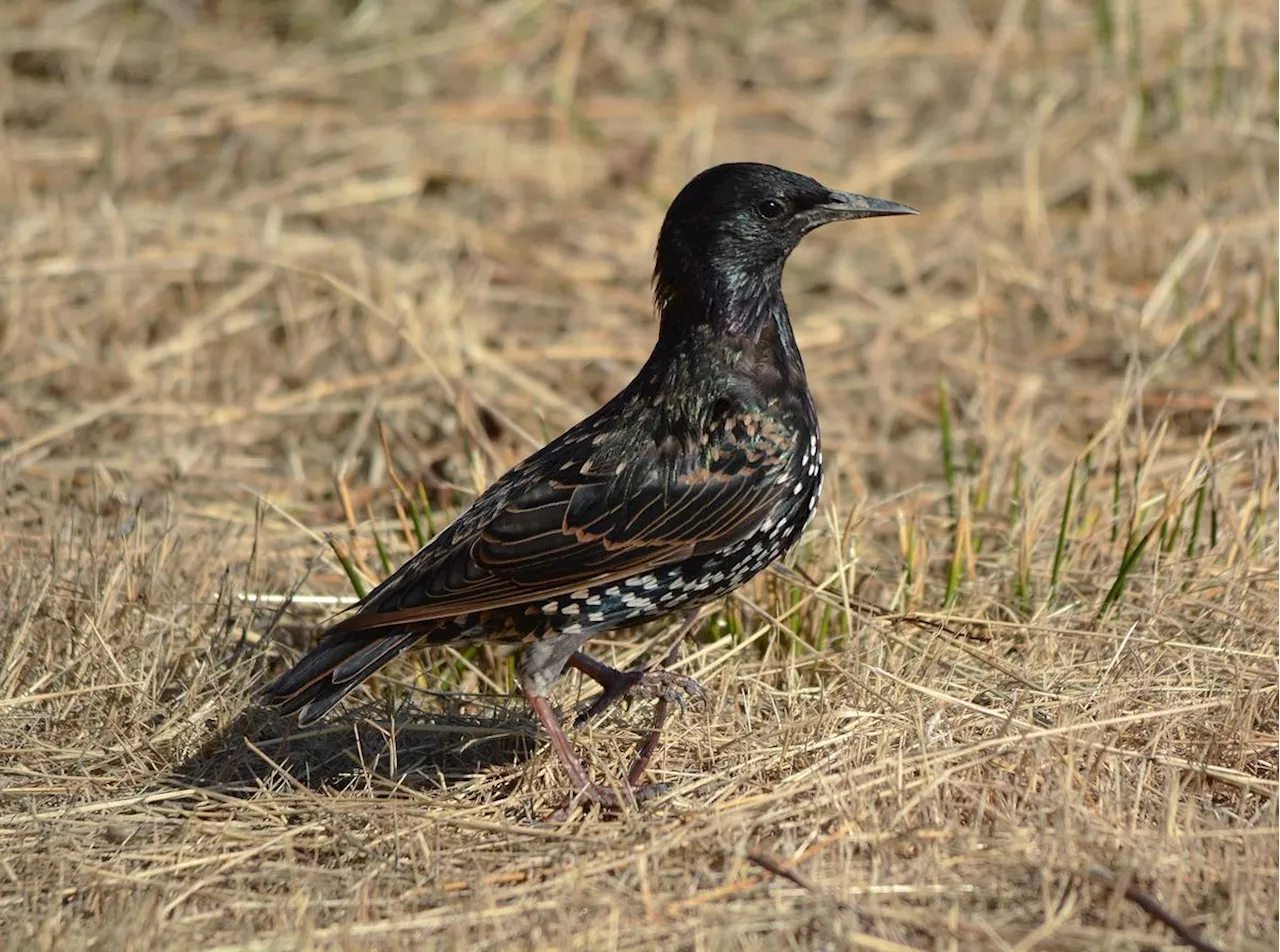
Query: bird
{"points": [[698, 474]]}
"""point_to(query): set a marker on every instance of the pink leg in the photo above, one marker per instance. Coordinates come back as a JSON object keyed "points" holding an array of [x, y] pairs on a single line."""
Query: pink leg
{"points": [[592, 792]]}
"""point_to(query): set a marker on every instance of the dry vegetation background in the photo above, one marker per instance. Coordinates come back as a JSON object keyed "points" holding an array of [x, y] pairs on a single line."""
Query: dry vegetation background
{"points": [[1034, 663]]}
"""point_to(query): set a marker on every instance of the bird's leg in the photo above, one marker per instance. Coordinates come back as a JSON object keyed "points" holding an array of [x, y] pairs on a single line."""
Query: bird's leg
{"points": [[641, 763], [593, 792], [667, 686]]}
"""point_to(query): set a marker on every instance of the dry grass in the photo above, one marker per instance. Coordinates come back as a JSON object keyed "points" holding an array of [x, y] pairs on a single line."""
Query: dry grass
{"points": [[1034, 663]]}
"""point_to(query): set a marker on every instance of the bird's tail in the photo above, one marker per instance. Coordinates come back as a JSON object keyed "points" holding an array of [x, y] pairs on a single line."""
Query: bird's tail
{"points": [[331, 670]]}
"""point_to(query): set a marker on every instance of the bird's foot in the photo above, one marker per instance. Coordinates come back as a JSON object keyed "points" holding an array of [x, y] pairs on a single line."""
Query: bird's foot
{"points": [[606, 798], [677, 689], [668, 686], [612, 799]]}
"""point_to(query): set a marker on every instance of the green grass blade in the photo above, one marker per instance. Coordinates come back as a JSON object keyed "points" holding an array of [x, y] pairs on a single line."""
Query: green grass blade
{"points": [[427, 514], [948, 446], [1132, 554], [384, 558], [348, 566], [1060, 547]]}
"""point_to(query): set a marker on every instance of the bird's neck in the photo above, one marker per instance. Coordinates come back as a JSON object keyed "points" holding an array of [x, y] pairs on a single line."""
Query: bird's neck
{"points": [[728, 335], [737, 301]]}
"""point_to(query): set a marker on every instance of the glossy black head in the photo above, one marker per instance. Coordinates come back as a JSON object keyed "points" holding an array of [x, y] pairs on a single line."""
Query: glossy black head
{"points": [[730, 230]]}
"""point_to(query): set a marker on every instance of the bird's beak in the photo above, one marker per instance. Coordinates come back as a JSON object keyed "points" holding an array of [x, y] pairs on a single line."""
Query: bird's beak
{"points": [[841, 206]]}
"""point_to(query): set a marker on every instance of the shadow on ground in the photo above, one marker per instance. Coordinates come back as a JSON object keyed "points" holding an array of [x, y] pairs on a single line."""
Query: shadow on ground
{"points": [[259, 750]]}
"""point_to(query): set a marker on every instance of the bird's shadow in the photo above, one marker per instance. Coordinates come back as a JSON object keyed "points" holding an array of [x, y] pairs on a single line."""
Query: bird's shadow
{"points": [[409, 748]]}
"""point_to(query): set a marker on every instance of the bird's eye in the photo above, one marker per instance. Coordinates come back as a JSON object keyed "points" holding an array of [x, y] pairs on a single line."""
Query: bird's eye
{"points": [[771, 209]]}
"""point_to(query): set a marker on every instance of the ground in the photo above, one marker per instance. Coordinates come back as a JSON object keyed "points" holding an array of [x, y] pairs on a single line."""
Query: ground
{"points": [[284, 274]]}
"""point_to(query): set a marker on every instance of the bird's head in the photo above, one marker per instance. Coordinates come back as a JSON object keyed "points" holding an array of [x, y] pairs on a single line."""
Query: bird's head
{"points": [[733, 226]]}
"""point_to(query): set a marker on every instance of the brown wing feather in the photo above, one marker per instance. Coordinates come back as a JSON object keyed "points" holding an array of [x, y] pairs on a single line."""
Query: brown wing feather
{"points": [[556, 538]]}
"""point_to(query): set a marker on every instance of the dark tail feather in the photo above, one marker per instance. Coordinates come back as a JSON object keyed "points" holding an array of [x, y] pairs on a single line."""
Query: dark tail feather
{"points": [[329, 672]]}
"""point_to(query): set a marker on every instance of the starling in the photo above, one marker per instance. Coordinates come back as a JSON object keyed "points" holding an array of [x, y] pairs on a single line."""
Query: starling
{"points": [[702, 471]]}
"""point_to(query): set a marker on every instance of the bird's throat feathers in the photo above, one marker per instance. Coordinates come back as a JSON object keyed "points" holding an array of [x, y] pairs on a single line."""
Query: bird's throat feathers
{"points": [[735, 301]]}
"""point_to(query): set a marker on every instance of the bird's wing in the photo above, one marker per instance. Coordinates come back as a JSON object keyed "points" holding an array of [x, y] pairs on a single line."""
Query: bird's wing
{"points": [[552, 537]]}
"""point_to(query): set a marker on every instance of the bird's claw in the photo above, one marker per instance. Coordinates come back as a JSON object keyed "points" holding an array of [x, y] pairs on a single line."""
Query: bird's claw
{"points": [[657, 683], [669, 686]]}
